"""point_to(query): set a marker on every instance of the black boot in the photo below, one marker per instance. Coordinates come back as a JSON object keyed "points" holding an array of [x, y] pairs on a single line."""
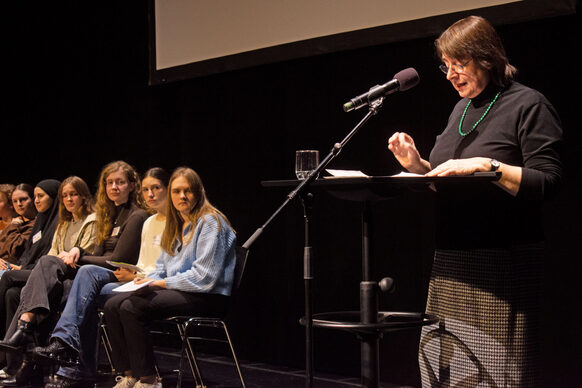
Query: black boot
{"points": [[21, 337]]}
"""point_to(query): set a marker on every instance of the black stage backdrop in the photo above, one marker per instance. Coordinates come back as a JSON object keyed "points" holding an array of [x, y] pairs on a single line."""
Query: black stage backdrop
{"points": [[76, 96]]}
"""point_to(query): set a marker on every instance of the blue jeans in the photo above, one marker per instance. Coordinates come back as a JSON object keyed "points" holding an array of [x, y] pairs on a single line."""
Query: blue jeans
{"points": [[77, 326]]}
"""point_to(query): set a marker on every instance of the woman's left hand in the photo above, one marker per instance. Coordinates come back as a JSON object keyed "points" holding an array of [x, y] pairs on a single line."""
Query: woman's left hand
{"points": [[154, 283], [71, 257], [461, 167]]}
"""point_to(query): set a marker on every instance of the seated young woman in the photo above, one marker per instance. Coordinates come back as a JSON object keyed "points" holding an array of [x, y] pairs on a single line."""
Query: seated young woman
{"points": [[75, 332], [118, 229], [61, 208], [14, 236], [193, 275]]}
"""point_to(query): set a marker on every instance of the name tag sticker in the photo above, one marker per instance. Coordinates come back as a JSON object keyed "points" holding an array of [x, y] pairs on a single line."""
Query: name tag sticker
{"points": [[37, 236], [158, 240], [115, 231]]}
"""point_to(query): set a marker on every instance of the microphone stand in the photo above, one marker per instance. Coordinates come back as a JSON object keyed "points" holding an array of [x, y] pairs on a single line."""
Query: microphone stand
{"points": [[373, 109]]}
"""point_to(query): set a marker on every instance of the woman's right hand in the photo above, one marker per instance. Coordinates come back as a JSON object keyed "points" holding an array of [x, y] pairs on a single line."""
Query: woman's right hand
{"points": [[4, 264], [402, 146], [124, 275]]}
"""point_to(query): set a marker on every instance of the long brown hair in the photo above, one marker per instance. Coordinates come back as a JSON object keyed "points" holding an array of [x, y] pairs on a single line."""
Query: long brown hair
{"points": [[174, 221], [475, 38], [83, 190], [105, 207]]}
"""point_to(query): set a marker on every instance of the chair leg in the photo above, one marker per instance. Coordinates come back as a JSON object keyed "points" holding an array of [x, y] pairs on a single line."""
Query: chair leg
{"points": [[188, 350], [242, 381], [103, 335]]}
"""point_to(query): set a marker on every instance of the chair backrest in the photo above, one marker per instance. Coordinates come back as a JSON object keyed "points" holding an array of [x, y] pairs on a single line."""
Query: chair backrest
{"points": [[239, 267]]}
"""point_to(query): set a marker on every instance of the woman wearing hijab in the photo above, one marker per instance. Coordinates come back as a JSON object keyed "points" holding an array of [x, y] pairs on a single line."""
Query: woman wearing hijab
{"points": [[486, 275]]}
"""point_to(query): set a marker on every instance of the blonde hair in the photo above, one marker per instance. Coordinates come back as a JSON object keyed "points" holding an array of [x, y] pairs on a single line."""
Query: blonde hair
{"points": [[105, 207], [175, 222], [475, 38]]}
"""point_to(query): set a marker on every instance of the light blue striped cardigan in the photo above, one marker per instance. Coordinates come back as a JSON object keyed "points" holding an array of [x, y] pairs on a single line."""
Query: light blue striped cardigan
{"points": [[205, 264]]}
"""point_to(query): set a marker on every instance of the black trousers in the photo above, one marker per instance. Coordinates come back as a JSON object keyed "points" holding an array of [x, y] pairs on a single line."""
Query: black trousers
{"points": [[128, 316], [11, 284], [42, 295]]}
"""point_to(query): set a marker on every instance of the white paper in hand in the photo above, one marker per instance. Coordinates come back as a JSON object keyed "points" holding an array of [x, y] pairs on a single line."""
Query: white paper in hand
{"points": [[131, 286]]}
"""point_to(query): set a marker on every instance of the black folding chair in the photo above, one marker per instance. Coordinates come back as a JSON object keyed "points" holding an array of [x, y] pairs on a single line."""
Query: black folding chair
{"points": [[185, 323]]}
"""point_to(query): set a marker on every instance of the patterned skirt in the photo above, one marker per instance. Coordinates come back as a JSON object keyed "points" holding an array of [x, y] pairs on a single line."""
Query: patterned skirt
{"points": [[488, 304]]}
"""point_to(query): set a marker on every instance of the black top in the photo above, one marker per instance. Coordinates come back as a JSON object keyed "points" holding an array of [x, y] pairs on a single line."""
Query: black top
{"points": [[125, 240], [521, 129], [42, 234]]}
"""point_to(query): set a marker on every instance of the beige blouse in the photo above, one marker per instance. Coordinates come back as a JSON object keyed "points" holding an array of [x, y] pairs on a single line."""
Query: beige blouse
{"points": [[81, 234]]}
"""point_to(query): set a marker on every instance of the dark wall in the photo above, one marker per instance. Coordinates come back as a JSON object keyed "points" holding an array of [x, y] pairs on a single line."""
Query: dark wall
{"points": [[76, 97]]}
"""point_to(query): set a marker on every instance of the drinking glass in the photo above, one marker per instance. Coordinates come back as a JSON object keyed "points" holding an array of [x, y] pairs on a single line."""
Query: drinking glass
{"points": [[305, 162]]}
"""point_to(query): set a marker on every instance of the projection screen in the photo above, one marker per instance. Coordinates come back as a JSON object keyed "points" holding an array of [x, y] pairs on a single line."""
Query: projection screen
{"points": [[190, 38]]}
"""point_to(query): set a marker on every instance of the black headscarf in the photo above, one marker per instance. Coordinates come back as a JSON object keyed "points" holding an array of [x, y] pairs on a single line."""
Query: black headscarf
{"points": [[46, 223]]}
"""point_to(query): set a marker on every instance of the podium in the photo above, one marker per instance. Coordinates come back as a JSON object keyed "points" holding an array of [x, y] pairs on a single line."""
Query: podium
{"points": [[368, 323]]}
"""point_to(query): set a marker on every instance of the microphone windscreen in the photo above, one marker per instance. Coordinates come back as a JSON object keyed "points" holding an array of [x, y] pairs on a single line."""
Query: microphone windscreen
{"points": [[407, 79]]}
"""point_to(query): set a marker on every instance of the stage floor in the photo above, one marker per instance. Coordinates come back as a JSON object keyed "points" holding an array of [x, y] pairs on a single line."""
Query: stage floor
{"points": [[220, 372]]}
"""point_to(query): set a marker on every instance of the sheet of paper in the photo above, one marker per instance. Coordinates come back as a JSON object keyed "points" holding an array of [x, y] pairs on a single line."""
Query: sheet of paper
{"points": [[131, 286], [405, 173], [346, 173]]}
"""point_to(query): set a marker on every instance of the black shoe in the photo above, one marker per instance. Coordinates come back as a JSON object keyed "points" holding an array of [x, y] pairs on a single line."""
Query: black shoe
{"points": [[57, 381], [21, 337], [56, 348], [58, 351]]}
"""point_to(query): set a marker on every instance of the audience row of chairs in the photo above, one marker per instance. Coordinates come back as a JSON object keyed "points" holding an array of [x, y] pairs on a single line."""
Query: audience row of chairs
{"points": [[185, 325]]}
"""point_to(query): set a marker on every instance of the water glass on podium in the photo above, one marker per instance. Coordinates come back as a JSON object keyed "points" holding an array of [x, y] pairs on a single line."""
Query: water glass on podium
{"points": [[305, 162]]}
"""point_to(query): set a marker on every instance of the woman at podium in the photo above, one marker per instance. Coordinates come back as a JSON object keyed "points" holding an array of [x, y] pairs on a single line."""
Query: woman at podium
{"points": [[485, 282]]}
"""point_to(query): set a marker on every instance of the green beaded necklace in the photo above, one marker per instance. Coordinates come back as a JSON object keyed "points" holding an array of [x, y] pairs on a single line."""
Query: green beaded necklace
{"points": [[478, 121]]}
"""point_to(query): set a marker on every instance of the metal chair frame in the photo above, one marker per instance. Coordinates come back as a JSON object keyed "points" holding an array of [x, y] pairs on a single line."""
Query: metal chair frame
{"points": [[184, 323]]}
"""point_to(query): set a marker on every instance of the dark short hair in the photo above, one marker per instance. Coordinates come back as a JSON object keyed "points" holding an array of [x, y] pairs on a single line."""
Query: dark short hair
{"points": [[475, 38]]}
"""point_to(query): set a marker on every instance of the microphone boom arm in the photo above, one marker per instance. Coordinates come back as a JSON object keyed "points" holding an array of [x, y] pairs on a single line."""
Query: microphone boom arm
{"points": [[374, 108]]}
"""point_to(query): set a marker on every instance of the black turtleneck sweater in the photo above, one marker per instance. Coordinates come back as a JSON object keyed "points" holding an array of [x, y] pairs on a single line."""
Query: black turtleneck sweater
{"points": [[521, 129], [125, 240]]}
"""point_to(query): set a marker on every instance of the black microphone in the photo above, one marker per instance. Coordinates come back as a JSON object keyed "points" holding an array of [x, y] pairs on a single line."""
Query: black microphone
{"points": [[403, 80]]}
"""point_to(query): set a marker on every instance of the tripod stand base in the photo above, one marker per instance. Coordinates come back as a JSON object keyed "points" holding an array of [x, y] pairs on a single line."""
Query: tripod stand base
{"points": [[387, 321], [370, 333]]}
